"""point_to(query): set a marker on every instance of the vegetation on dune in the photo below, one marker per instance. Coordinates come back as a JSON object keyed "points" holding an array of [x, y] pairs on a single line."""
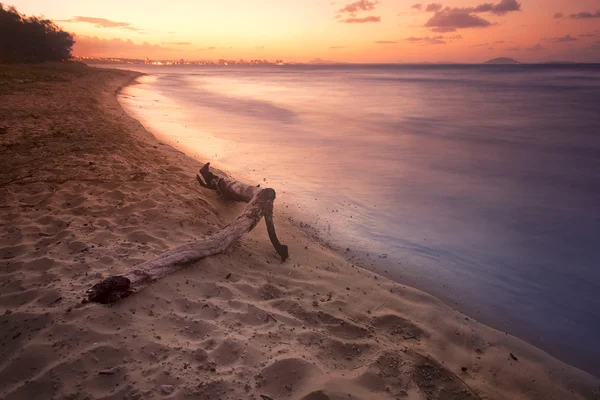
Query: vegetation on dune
{"points": [[31, 39]]}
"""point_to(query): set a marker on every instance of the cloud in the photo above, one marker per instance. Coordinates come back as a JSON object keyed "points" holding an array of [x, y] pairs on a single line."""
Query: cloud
{"points": [[360, 5], [260, 47], [562, 39], [594, 47], [354, 20], [208, 48], [102, 23], [593, 34], [177, 43], [586, 15], [433, 7], [427, 40], [501, 8], [351, 9], [417, 6], [95, 47], [450, 19], [559, 15], [337, 47], [537, 47], [491, 45], [505, 6], [386, 42]]}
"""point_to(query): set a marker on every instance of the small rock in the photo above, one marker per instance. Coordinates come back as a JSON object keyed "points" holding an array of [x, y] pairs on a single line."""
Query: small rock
{"points": [[463, 369], [168, 389], [315, 303], [513, 357]]}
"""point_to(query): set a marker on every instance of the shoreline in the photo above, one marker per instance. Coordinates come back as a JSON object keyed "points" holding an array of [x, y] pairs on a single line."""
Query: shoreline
{"points": [[107, 194], [170, 128]]}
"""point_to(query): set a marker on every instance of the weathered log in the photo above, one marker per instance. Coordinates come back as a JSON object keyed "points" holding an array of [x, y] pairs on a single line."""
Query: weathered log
{"points": [[260, 204]]}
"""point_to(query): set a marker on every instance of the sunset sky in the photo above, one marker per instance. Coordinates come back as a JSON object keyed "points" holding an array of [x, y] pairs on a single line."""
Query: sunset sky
{"points": [[352, 31]]}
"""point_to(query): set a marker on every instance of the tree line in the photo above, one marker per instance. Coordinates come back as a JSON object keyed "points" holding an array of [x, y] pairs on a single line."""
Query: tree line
{"points": [[31, 39]]}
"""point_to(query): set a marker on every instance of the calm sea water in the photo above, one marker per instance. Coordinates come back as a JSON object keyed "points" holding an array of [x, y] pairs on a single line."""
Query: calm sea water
{"points": [[480, 184]]}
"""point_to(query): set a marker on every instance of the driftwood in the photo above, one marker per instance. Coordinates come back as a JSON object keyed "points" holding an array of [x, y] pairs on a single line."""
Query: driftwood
{"points": [[260, 204]]}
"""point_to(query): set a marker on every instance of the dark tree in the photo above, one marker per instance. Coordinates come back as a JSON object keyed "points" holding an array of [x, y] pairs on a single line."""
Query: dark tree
{"points": [[31, 39]]}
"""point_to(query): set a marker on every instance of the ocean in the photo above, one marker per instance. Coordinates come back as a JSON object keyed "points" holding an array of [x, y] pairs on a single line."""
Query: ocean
{"points": [[478, 184]]}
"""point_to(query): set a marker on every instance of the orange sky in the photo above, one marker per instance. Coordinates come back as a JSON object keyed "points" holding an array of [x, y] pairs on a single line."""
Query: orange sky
{"points": [[353, 31]]}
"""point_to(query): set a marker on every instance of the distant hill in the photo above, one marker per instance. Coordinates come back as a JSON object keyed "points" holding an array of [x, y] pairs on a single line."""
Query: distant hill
{"points": [[503, 60]]}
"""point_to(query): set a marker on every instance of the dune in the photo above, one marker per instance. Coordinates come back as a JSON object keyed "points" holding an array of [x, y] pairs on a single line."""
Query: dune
{"points": [[86, 192]]}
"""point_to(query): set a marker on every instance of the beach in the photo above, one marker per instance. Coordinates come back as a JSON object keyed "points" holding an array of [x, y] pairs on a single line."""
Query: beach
{"points": [[86, 192]]}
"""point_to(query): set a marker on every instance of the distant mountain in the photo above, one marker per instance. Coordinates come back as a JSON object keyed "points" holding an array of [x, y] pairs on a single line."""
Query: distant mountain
{"points": [[503, 60]]}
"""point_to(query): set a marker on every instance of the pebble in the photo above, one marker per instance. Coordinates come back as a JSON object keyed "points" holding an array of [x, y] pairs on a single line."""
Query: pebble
{"points": [[168, 389]]}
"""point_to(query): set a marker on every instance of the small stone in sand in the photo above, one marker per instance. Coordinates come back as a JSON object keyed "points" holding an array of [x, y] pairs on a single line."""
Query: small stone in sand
{"points": [[168, 389], [513, 357]]}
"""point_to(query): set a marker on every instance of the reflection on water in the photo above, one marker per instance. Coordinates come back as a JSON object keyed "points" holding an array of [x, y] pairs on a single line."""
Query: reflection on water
{"points": [[481, 184]]}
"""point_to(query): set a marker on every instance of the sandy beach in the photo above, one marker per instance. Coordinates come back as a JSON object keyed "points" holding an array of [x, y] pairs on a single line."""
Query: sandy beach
{"points": [[86, 192]]}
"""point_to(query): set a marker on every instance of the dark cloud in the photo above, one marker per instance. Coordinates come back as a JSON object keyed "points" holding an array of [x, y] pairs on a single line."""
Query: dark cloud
{"points": [[177, 43], [562, 39], [417, 6], [354, 20], [559, 15], [102, 23], [505, 6], [433, 7], [360, 5], [586, 15], [450, 19], [501, 8]]}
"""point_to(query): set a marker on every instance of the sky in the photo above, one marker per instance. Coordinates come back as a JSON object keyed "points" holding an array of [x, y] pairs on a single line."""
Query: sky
{"points": [[341, 30]]}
